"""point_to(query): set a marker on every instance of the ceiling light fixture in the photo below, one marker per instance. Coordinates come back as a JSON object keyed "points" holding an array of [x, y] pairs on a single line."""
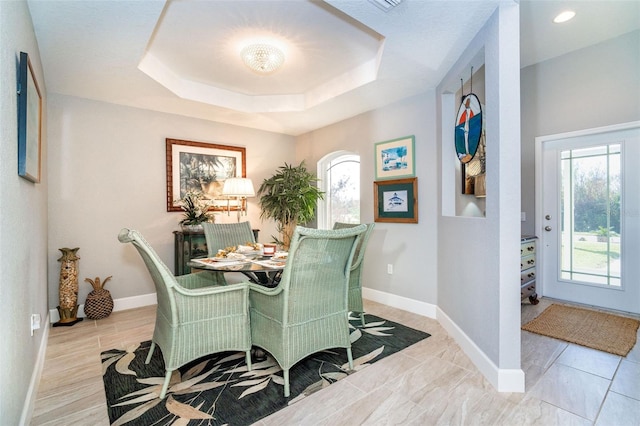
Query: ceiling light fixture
{"points": [[564, 16], [262, 58]]}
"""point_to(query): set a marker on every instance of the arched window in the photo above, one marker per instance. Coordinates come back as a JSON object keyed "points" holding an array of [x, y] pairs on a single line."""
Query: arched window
{"points": [[339, 174]]}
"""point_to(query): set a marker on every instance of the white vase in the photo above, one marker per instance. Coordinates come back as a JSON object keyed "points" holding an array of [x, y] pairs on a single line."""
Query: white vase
{"points": [[192, 228]]}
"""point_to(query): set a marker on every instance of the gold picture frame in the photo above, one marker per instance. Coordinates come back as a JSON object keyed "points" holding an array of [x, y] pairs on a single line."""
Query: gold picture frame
{"points": [[396, 200], [204, 167]]}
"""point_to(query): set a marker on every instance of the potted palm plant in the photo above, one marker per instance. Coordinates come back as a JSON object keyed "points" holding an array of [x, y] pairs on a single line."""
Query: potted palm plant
{"points": [[289, 197]]}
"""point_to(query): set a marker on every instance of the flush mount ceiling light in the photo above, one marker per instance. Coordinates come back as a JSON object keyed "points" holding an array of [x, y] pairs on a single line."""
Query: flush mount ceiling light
{"points": [[262, 58], [564, 16]]}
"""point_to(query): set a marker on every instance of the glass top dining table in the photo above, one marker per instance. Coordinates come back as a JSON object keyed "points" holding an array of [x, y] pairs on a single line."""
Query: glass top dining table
{"points": [[260, 270]]}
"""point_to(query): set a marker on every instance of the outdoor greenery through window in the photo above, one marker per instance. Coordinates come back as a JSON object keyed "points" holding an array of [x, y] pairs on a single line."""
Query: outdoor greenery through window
{"points": [[340, 179], [590, 209]]}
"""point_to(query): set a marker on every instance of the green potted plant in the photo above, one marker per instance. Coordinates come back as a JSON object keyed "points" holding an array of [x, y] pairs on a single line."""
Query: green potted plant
{"points": [[195, 206], [289, 197]]}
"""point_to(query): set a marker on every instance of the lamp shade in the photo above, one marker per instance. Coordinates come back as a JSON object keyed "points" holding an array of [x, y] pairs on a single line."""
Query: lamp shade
{"points": [[238, 187]]}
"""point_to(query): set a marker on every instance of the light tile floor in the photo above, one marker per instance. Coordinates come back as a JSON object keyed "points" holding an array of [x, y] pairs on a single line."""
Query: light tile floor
{"points": [[430, 383]]}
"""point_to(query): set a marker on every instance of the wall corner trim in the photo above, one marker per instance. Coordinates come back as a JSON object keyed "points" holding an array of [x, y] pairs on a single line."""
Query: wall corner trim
{"points": [[503, 379]]}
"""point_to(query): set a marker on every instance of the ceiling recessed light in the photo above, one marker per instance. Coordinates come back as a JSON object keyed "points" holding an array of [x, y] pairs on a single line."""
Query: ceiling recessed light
{"points": [[564, 16]]}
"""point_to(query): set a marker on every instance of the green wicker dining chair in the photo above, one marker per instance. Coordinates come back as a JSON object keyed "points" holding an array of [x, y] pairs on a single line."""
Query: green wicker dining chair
{"points": [[195, 316], [222, 235], [307, 312], [355, 280]]}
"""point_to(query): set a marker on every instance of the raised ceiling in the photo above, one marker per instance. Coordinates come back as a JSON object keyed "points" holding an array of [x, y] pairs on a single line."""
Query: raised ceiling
{"points": [[343, 57], [334, 53]]}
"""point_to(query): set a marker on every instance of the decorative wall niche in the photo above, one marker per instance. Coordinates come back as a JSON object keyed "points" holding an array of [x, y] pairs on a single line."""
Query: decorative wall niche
{"points": [[471, 185]]}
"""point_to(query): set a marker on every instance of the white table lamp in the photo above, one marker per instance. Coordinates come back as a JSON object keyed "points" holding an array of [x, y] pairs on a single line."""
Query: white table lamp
{"points": [[241, 188]]}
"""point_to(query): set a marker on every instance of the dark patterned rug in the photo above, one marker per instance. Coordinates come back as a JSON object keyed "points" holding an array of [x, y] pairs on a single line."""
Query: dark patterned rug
{"points": [[218, 389]]}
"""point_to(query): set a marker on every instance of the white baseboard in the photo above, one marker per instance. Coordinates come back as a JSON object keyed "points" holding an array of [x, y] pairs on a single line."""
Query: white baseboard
{"points": [[400, 302], [504, 380], [118, 305], [36, 375]]}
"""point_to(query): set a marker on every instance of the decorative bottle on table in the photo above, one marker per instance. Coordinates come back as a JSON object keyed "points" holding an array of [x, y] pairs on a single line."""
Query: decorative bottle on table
{"points": [[68, 287]]}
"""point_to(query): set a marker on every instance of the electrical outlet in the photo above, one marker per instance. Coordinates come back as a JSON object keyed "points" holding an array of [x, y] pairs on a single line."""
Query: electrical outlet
{"points": [[389, 269], [35, 322], [523, 216]]}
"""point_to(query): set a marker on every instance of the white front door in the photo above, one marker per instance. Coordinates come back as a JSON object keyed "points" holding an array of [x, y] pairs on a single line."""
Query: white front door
{"points": [[588, 217]]}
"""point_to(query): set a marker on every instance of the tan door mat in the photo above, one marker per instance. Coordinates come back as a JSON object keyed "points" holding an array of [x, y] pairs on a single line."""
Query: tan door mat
{"points": [[594, 329]]}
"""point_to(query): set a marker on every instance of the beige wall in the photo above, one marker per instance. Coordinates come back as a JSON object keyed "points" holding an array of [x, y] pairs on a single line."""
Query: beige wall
{"points": [[23, 225], [411, 248], [107, 171]]}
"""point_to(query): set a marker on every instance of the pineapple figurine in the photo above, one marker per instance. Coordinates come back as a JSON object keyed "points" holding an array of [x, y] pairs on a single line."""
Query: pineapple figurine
{"points": [[99, 303]]}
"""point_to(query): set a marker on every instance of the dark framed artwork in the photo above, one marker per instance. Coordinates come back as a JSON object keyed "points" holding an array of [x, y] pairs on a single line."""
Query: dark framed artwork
{"points": [[201, 167], [29, 122], [395, 159], [396, 200]]}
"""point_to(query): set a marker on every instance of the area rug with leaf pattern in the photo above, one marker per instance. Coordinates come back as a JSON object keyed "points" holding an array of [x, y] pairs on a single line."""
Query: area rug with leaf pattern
{"points": [[218, 389]]}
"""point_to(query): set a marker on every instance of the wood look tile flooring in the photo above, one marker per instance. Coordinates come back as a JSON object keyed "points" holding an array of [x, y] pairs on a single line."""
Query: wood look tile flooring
{"points": [[430, 383]]}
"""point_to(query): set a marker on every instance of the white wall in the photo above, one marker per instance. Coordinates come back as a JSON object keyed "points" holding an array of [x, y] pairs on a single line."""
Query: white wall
{"points": [[107, 171], [23, 225], [592, 87], [478, 279], [411, 248]]}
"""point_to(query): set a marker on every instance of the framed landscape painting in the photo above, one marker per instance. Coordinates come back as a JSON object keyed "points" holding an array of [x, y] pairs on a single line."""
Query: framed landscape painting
{"points": [[395, 158], [199, 166], [396, 200], [29, 122]]}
